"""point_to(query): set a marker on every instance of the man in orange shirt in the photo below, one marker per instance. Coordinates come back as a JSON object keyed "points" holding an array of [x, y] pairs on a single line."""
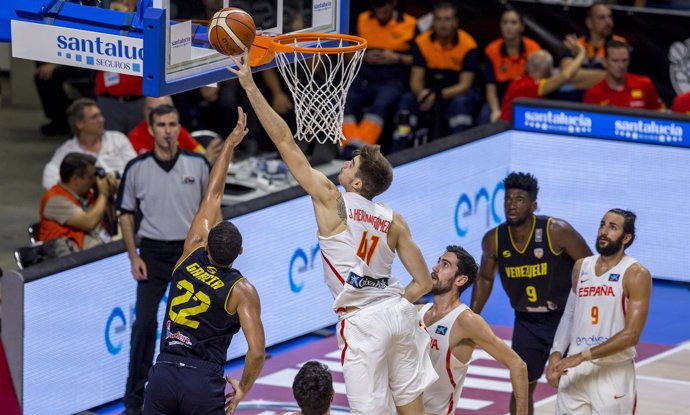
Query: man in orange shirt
{"points": [[70, 211], [599, 24], [384, 72], [620, 88], [142, 139], [539, 82], [443, 71]]}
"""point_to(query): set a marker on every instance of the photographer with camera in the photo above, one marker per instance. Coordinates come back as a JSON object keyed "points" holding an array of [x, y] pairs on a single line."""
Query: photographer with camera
{"points": [[73, 212], [111, 149]]}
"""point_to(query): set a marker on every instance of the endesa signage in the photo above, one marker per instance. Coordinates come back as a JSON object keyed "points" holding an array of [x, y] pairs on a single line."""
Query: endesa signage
{"points": [[639, 127]]}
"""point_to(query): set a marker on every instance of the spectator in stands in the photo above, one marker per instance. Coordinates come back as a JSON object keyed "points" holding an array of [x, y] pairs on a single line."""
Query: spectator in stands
{"points": [[681, 103], [164, 188], [506, 59], [313, 389], [384, 73], [50, 80], [111, 148], [141, 137], [73, 210], [120, 96], [539, 82], [620, 88], [443, 70], [599, 22]]}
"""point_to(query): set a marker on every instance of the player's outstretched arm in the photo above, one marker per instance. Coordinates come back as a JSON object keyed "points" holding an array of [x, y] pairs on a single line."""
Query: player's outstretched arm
{"points": [[411, 257], [312, 181], [245, 302], [486, 274], [475, 328], [209, 213], [637, 286]]}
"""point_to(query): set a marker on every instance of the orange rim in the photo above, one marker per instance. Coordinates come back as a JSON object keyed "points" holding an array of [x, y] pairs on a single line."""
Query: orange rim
{"points": [[282, 43]]}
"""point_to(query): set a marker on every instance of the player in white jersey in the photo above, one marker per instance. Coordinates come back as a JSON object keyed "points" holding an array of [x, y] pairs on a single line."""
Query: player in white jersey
{"points": [[456, 331], [384, 350], [602, 323]]}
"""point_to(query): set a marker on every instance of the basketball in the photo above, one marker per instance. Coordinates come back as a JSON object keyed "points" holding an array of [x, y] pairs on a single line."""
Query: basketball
{"points": [[231, 30]]}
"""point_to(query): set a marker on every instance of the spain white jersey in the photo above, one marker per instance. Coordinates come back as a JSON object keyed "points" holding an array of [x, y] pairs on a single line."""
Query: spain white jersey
{"points": [[442, 396], [600, 308], [357, 262]]}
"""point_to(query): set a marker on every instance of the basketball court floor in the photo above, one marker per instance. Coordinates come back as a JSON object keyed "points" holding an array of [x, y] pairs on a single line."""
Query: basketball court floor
{"points": [[663, 366]]}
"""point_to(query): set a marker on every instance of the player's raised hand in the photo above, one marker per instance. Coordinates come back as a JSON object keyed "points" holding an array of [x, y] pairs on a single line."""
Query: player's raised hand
{"points": [[243, 71], [240, 130], [572, 44], [233, 398]]}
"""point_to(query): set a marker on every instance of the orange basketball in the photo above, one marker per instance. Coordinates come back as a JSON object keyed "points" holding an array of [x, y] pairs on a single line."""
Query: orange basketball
{"points": [[231, 30]]}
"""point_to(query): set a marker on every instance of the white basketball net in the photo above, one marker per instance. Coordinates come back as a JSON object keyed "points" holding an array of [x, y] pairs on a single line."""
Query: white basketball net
{"points": [[319, 83]]}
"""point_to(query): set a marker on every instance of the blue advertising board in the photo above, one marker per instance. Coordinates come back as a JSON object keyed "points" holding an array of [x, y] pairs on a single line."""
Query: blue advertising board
{"points": [[644, 127]]}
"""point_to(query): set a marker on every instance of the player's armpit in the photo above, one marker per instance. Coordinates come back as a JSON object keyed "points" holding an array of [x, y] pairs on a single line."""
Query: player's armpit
{"points": [[412, 259]]}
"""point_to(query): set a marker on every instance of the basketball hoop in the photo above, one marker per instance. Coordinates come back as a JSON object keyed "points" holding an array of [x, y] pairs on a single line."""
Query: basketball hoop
{"points": [[318, 69]]}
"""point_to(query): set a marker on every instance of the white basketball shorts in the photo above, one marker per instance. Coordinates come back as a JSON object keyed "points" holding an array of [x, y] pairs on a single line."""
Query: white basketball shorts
{"points": [[598, 390], [385, 356]]}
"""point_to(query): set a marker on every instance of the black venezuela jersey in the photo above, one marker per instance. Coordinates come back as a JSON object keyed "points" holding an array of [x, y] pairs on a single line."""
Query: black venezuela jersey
{"points": [[196, 323], [535, 278]]}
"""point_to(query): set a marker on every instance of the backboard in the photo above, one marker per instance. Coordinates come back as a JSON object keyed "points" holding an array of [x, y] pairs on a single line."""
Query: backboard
{"points": [[170, 34], [196, 63]]}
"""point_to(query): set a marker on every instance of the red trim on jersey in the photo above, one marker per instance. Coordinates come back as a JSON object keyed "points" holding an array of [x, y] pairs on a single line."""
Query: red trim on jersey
{"points": [[623, 303], [635, 404], [450, 374], [335, 272], [342, 334], [452, 382]]}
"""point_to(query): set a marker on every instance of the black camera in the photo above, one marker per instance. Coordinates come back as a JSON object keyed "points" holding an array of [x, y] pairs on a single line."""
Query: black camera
{"points": [[100, 172]]}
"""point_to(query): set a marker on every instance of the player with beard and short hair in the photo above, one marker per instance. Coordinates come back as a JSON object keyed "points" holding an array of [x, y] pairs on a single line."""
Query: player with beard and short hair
{"points": [[456, 331], [605, 316], [534, 256]]}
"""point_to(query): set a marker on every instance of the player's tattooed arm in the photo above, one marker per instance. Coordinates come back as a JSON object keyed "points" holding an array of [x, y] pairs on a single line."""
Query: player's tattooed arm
{"points": [[340, 202]]}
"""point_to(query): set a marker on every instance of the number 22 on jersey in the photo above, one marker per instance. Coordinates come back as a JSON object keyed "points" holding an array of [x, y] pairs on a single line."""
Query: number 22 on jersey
{"points": [[367, 247], [201, 302]]}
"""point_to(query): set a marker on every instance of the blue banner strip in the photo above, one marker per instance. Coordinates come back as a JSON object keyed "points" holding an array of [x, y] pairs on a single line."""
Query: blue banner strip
{"points": [[610, 126]]}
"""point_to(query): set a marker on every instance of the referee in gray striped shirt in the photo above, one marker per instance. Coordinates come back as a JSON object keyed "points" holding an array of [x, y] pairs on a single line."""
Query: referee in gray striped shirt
{"points": [[163, 189]]}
